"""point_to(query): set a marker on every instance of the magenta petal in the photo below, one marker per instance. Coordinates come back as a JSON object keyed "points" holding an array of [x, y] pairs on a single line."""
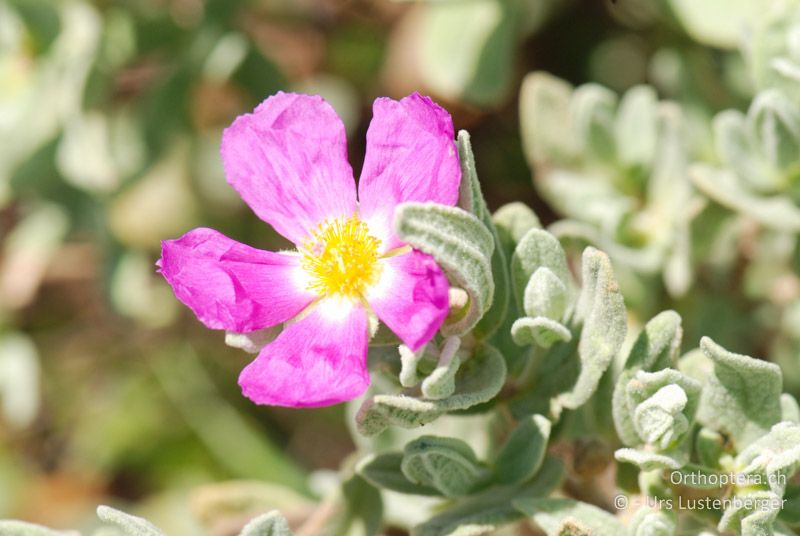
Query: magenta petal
{"points": [[411, 297], [411, 156], [232, 286], [318, 361], [288, 161]]}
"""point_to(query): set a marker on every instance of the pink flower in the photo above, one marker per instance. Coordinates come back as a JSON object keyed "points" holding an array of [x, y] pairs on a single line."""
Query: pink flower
{"points": [[288, 161]]}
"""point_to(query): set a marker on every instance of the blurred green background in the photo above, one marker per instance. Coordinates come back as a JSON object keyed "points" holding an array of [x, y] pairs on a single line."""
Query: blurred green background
{"points": [[110, 119]]}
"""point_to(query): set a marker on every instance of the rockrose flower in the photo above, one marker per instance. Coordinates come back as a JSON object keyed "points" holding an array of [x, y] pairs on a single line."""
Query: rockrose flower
{"points": [[288, 161]]}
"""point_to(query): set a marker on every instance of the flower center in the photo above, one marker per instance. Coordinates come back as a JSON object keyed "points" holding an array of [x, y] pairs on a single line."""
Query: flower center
{"points": [[342, 258]]}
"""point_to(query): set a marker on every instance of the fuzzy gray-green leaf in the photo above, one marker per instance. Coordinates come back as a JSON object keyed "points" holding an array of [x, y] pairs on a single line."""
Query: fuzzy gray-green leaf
{"points": [[441, 382], [471, 199], [651, 522], [751, 514], [776, 456], [269, 524], [658, 344], [655, 348], [659, 420], [710, 446], [540, 331], [130, 525], [663, 398], [593, 111], [636, 128], [461, 244], [384, 471], [479, 380], [722, 185], [647, 461], [742, 396], [444, 463], [544, 118], [409, 360], [790, 410], [545, 295], [550, 513], [535, 250], [775, 122], [602, 311], [513, 221], [734, 146], [483, 512], [523, 452]]}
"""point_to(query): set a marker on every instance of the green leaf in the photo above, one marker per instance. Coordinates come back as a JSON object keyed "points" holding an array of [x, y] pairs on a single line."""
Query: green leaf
{"points": [[734, 146], [358, 509], [130, 525], [269, 524], [593, 110], [661, 407], [647, 461], [409, 376], [742, 396], [658, 344], [636, 127], [523, 452], [790, 410], [486, 511], [466, 49], [441, 382], [751, 514], [219, 502], [655, 348], [21, 528], [550, 514], [775, 123], [446, 464], [659, 420], [650, 522], [544, 116], [774, 457], [774, 211], [254, 341], [384, 471], [462, 245], [479, 379], [710, 446], [601, 309], [540, 331], [471, 199], [545, 295], [513, 221], [537, 249], [470, 195]]}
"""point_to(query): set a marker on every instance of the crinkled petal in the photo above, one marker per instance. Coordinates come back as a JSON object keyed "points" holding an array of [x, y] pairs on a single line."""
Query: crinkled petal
{"points": [[411, 297], [232, 286], [288, 161], [411, 156], [317, 361]]}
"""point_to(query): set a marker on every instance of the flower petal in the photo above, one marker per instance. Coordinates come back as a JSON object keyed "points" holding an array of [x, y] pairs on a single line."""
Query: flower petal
{"points": [[411, 297], [288, 161], [232, 286], [411, 156], [317, 361]]}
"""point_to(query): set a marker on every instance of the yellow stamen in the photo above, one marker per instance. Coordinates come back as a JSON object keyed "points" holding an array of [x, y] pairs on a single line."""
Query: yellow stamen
{"points": [[341, 258]]}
